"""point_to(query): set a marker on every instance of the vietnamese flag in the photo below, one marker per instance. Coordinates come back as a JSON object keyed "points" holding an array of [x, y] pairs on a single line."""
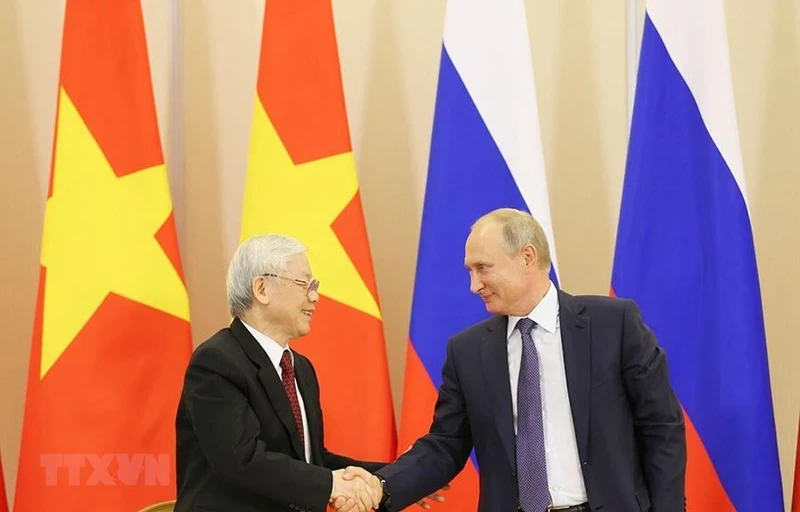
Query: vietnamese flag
{"points": [[796, 495], [301, 181], [3, 498], [111, 338]]}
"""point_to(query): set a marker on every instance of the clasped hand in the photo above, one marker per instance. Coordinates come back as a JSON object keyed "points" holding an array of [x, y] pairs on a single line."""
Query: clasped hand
{"points": [[357, 489]]}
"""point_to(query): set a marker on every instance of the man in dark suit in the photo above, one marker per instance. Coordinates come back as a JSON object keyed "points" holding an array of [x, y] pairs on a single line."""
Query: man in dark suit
{"points": [[566, 400], [249, 424]]}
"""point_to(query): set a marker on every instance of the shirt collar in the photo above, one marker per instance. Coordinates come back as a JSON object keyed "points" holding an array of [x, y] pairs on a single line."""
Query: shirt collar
{"points": [[545, 314], [273, 349]]}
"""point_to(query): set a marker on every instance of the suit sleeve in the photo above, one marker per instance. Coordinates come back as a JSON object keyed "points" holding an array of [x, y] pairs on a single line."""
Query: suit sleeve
{"points": [[435, 459], [227, 431], [657, 414], [334, 461]]}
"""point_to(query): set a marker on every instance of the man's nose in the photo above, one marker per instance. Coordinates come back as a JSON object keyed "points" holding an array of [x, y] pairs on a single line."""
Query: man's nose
{"points": [[475, 283]]}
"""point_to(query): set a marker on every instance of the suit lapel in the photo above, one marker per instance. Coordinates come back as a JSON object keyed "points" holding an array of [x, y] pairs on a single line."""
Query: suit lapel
{"points": [[306, 382], [271, 382], [576, 339], [494, 357]]}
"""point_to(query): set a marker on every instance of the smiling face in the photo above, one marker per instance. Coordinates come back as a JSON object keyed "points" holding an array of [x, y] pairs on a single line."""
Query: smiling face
{"points": [[290, 306], [507, 283]]}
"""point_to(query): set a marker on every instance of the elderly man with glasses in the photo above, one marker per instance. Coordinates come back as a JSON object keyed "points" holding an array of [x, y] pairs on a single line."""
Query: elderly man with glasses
{"points": [[249, 424]]}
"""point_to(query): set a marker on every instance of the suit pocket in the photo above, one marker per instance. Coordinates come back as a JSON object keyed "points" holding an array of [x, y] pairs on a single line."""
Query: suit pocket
{"points": [[643, 499]]}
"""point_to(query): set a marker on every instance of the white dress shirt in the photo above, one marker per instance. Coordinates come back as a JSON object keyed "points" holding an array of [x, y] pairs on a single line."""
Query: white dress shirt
{"points": [[561, 449], [275, 352]]}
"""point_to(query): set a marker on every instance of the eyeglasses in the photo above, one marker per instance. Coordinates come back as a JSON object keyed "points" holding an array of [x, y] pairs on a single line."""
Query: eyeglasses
{"points": [[310, 286]]}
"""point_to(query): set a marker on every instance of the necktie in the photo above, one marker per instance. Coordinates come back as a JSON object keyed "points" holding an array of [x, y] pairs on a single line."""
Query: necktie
{"points": [[534, 495], [291, 392]]}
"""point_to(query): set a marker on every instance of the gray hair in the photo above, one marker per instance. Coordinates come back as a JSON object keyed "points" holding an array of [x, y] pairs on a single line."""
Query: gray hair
{"points": [[258, 255], [519, 230]]}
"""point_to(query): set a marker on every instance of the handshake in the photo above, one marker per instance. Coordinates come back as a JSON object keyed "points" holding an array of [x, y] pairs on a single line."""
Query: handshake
{"points": [[356, 489]]}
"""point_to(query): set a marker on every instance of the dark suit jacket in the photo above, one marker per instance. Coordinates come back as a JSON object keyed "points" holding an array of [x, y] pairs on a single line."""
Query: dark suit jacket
{"points": [[628, 423], [238, 448]]}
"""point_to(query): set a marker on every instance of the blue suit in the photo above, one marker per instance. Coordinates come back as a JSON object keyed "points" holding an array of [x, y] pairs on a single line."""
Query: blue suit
{"points": [[628, 423]]}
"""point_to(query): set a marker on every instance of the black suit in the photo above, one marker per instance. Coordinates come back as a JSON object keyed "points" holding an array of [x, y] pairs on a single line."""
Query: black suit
{"points": [[628, 423], [238, 448]]}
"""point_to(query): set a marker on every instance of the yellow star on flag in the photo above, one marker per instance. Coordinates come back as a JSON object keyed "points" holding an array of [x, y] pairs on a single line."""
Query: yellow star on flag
{"points": [[99, 237], [303, 201]]}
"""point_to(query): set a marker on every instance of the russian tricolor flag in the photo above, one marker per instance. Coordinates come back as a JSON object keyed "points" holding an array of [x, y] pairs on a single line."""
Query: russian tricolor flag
{"points": [[685, 254], [486, 153]]}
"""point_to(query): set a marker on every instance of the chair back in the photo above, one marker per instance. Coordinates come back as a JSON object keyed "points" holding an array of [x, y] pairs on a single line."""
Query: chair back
{"points": [[164, 506]]}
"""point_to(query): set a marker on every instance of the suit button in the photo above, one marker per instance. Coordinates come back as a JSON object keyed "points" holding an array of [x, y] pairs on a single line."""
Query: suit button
{"points": [[585, 463]]}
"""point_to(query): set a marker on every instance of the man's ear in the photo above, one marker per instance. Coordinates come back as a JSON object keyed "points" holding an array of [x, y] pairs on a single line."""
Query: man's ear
{"points": [[260, 288], [530, 255]]}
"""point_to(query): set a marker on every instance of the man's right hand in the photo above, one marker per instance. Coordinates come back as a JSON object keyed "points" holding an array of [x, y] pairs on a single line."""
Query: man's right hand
{"points": [[362, 493]]}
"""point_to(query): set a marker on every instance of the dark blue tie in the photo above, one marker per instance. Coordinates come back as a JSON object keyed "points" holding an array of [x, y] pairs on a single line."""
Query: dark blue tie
{"points": [[534, 495]]}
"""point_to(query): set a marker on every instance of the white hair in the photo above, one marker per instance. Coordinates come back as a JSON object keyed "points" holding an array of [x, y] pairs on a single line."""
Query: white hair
{"points": [[256, 256]]}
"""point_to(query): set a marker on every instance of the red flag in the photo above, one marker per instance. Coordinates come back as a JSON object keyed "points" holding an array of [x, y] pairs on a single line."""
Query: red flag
{"points": [[3, 498], [111, 335], [796, 495], [301, 181]]}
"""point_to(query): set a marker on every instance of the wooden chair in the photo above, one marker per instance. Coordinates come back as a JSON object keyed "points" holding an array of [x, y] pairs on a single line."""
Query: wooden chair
{"points": [[165, 506]]}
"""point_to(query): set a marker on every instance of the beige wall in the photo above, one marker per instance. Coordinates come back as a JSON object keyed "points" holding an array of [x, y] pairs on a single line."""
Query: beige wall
{"points": [[204, 57]]}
